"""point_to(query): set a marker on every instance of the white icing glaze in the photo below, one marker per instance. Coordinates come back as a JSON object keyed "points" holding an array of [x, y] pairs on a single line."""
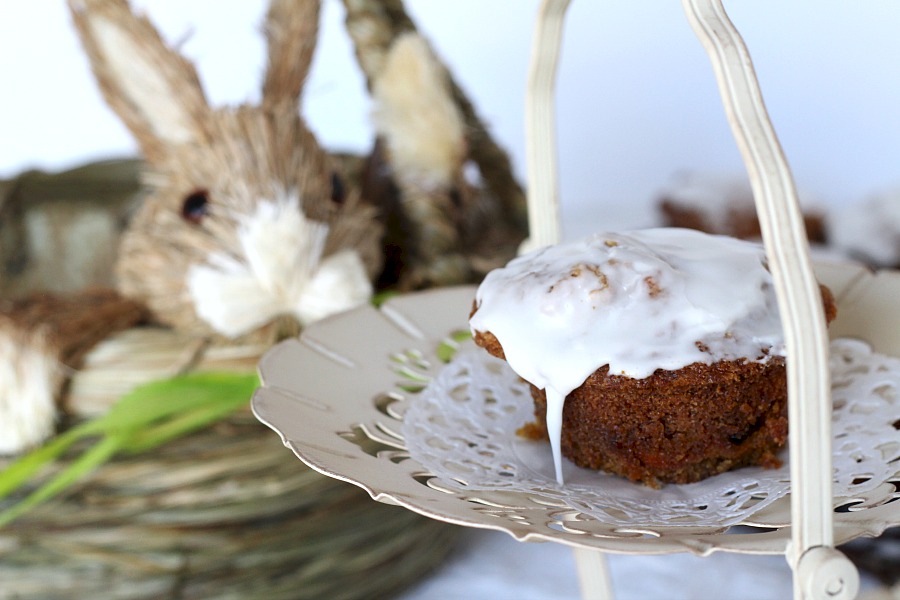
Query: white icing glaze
{"points": [[638, 301]]}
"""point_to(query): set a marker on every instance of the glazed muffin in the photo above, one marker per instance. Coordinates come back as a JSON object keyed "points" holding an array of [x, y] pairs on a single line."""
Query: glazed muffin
{"points": [[657, 355], [869, 230], [723, 204]]}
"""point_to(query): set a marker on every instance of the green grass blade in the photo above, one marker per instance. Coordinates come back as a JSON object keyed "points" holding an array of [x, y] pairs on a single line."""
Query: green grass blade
{"points": [[381, 297], [227, 398], [23, 469], [92, 458], [160, 399], [149, 415]]}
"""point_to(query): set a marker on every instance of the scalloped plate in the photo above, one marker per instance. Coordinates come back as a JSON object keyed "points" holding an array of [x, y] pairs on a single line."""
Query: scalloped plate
{"points": [[338, 394]]}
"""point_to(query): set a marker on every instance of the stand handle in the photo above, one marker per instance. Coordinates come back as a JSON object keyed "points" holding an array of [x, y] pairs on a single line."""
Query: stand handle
{"points": [[593, 574], [540, 130], [799, 300]]}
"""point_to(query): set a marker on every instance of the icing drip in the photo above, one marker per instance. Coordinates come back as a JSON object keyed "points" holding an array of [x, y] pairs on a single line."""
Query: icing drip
{"points": [[638, 301], [555, 402]]}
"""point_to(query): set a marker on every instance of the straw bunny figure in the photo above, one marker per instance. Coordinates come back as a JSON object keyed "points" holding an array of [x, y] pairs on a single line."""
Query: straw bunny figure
{"points": [[452, 206], [421, 137], [246, 228]]}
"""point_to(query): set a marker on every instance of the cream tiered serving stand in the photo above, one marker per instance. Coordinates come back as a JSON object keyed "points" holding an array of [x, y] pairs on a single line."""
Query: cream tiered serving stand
{"points": [[338, 394]]}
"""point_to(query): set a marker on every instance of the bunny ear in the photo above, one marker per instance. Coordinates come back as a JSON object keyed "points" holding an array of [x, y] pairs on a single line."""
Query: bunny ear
{"points": [[415, 113], [154, 90], [291, 30]]}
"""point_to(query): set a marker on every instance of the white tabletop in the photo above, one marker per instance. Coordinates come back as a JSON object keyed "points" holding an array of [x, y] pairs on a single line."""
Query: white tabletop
{"points": [[493, 565]]}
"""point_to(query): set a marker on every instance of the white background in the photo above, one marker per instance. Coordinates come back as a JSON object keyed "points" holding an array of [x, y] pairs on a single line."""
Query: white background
{"points": [[636, 103], [636, 98]]}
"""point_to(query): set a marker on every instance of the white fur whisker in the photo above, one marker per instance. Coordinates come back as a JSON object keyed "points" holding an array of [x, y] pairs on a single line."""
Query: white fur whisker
{"points": [[281, 271]]}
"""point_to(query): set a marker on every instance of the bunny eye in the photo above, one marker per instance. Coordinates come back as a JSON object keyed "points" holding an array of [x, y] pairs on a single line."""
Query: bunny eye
{"points": [[456, 197], [195, 206], [338, 192]]}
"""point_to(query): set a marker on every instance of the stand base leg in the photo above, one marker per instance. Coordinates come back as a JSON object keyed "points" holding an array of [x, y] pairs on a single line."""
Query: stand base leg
{"points": [[593, 574]]}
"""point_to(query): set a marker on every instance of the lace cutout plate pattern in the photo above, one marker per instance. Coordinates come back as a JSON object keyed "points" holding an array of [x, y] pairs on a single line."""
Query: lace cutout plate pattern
{"points": [[343, 397], [462, 428]]}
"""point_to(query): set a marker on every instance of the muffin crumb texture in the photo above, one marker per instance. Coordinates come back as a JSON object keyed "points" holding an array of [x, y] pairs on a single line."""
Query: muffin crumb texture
{"points": [[709, 397]]}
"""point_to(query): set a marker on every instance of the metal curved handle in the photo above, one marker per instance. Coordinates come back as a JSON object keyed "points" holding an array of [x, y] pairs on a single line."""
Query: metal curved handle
{"points": [[820, 570], [540, 131], [800, 303]]}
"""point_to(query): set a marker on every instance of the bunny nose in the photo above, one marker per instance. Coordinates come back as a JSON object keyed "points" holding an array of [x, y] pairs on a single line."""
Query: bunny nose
{"points": [[278, 268]]}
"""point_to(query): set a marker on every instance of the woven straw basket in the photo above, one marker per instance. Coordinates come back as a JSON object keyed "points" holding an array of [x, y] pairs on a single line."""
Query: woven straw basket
{"points": [[221, 513]]}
